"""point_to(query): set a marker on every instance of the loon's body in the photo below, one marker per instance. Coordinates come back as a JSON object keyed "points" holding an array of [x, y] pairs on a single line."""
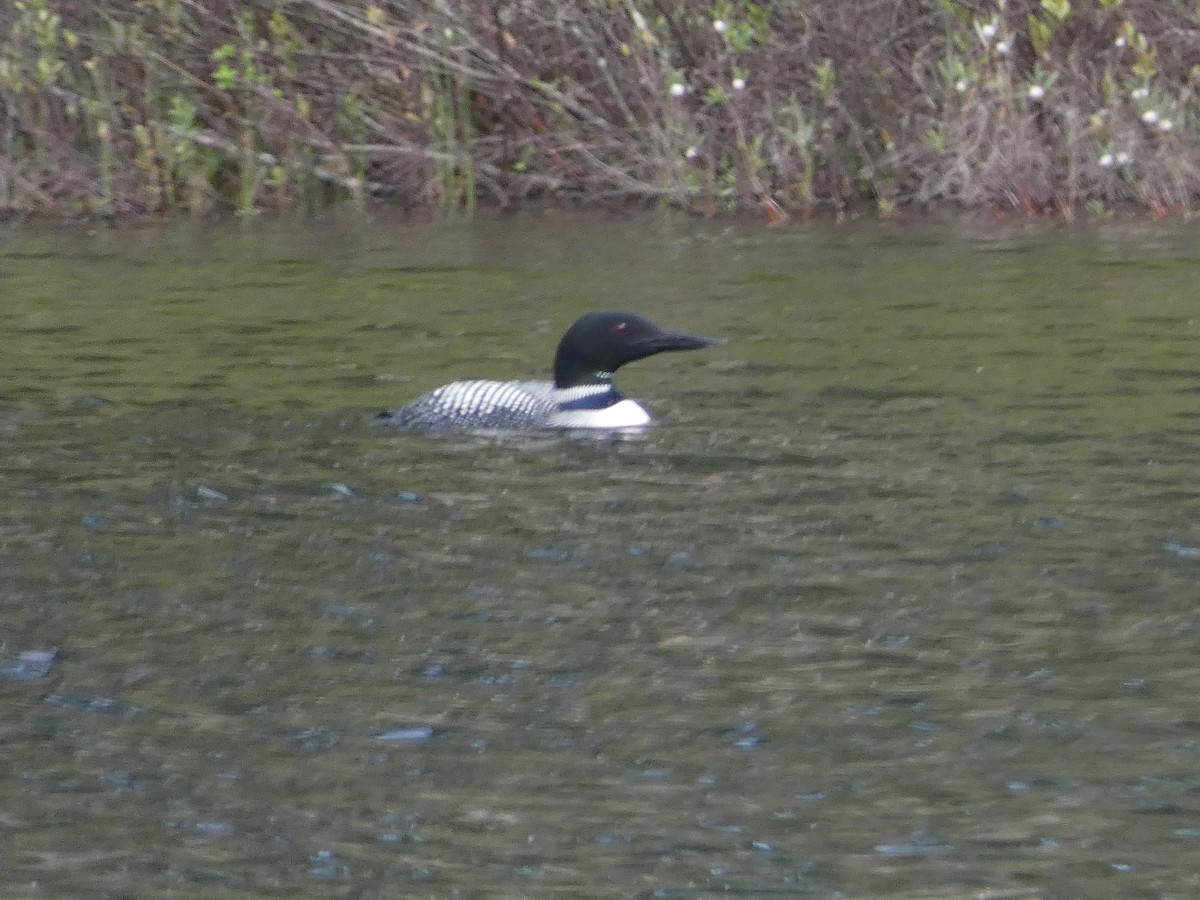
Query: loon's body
{"points": [[582, 394]]}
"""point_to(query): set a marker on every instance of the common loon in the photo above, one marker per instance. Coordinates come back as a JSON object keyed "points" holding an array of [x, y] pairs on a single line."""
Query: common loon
{"points": [[582, 394]]}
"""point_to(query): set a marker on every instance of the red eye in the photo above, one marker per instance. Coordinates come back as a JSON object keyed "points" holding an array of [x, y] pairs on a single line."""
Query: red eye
{"points": [[623, 328]]}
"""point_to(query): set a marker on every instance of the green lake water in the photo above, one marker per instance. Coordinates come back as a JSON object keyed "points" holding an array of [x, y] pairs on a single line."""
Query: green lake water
{"points": [[898, 598]]}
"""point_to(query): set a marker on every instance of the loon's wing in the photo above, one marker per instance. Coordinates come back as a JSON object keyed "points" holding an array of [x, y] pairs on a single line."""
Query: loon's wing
{"points": [[477, 404]]}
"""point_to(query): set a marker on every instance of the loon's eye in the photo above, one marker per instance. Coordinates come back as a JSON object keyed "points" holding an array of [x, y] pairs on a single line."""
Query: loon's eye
{"points": [[623, 328]]}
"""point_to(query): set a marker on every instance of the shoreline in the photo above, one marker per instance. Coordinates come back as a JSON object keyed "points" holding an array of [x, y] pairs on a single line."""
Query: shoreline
{"points": [[786, 111]]}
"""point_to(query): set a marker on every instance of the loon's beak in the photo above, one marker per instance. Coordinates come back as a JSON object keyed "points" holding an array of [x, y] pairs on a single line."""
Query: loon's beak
{"points": [[676, 340]]}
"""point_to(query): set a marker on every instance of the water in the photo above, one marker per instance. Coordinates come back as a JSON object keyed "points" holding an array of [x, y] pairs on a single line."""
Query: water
{"points": [[899, 598]]}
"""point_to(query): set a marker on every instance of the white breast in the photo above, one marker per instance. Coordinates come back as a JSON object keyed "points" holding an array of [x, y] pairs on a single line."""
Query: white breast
{"points": [[623, 414]]}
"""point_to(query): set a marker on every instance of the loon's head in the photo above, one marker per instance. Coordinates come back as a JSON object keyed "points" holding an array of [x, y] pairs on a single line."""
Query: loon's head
{"points": [[599, 343]]}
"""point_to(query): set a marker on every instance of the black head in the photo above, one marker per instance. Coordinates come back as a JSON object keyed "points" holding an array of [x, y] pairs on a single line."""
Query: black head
{"points": [[599, 343]]}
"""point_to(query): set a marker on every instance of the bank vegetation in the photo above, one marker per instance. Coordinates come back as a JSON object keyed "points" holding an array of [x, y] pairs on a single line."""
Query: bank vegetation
{"points": [[784, 107]]}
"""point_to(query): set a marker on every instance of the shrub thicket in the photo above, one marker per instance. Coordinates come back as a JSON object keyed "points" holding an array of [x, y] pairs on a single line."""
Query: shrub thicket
{"points": [[133, 106]]}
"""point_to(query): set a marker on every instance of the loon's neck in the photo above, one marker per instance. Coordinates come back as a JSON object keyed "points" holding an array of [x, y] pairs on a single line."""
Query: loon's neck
{"points": [[566, 381], [595, 394]]}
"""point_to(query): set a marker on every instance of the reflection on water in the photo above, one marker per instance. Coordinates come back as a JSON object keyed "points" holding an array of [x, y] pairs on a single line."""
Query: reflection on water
{"points": [[899, 598]]}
